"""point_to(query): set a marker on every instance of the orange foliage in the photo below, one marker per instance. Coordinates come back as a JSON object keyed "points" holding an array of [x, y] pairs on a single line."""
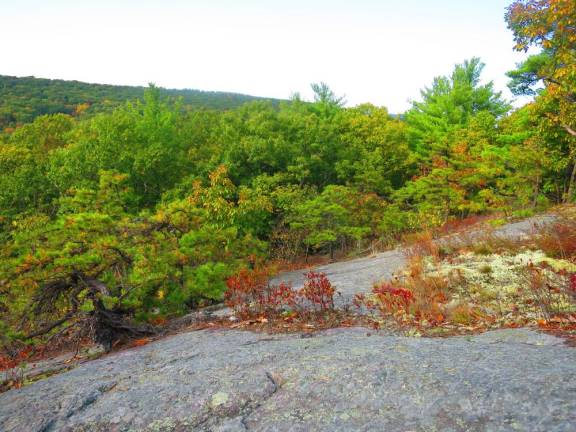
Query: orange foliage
{"points": [[251, 294]]}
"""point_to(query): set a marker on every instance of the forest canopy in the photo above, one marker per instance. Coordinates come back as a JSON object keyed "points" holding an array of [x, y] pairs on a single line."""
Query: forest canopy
{"points": [[142, 211], [24, 99]]}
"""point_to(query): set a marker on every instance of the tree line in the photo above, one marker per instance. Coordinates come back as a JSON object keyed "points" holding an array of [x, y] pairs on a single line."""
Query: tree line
{"points": [[23, 99]]}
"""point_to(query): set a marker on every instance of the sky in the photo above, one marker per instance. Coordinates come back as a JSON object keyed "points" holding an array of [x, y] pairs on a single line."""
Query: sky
{"points": [[382, 52]]}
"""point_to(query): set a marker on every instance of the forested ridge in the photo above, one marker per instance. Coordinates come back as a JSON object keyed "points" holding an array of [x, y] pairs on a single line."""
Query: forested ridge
{"points": [[143, 212], [22, 99]]}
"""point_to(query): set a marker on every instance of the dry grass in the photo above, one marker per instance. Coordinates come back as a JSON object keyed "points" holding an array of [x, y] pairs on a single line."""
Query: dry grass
{"points": [[558, 240], [464, 314], [421, 244], [487, 242], [455, 226], [483, 242], [415, 298], [552, 292]]}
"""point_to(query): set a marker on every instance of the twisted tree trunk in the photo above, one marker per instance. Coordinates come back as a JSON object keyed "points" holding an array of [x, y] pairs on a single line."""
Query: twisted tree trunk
{"points": [[105, 326]]}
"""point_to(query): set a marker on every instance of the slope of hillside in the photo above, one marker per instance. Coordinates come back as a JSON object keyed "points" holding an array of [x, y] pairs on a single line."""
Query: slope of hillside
{"points": [[23, 99]]}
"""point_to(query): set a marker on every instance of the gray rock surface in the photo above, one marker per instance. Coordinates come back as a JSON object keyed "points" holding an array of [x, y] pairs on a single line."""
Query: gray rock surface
{"points": [[338, 380], [353, 276]]}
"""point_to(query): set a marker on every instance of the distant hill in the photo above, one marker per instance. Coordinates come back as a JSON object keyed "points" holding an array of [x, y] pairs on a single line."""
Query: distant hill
{"points": [[23, 99]]}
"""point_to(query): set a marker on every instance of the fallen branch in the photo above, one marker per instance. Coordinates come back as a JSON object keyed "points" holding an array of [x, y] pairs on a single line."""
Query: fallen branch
{"points": [[569, 130]]}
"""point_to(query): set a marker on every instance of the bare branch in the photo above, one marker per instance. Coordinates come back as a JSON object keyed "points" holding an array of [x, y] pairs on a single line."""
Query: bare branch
{"points": [[50, 327], [121, 253], [569, 130]]}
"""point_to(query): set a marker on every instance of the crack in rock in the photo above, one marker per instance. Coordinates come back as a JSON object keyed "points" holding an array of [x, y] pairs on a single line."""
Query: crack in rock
{"points": [[90, 399], [237, 420], [275, 384], [275, 387], [77, 406], [48, 426], [259, 341]]}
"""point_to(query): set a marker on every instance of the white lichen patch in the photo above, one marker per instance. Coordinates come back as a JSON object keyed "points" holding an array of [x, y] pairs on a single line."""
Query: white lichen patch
{"points": [[218, 399], [500, 285], [500, 274]]}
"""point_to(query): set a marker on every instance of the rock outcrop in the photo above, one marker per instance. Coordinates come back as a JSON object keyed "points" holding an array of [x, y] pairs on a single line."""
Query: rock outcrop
{"points": [[337, 380]]}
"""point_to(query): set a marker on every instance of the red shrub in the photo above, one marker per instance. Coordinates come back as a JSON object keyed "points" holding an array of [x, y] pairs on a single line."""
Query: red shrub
{"points": [[392, 298], [7, 363], [457, 225], [569, 288], [11, 376], [418, 298], [359, 301], [11, 361], [250, 293], [573, 284], [558, 239], [279, 296], [318, 291]]}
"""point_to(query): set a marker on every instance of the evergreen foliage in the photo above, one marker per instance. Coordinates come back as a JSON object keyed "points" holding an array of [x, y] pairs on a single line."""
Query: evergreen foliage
{"points": [[141, 212]]}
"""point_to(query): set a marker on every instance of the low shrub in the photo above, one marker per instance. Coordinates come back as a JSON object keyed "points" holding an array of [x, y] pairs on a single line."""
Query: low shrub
{"points": [[523, 213], [392, 299], [250, 293], [558, 240], [11, 376], [458, 225], [317, 291], [553, 292], [418, 297], [11, 361], [571, 287], [421, 244], [430, 293], [497, 222], [463, 314]]}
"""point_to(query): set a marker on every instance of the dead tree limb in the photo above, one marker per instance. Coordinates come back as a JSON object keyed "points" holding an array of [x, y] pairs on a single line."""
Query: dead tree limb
{"points": [[569, 130]]}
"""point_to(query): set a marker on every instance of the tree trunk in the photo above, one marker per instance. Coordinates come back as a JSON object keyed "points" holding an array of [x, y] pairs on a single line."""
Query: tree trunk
{"points": [[536, 192], [112, 325], [570, 192]]}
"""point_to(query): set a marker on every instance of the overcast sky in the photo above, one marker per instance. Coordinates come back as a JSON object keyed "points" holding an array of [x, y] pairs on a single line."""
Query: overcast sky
{"points": [[382, 51]]}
